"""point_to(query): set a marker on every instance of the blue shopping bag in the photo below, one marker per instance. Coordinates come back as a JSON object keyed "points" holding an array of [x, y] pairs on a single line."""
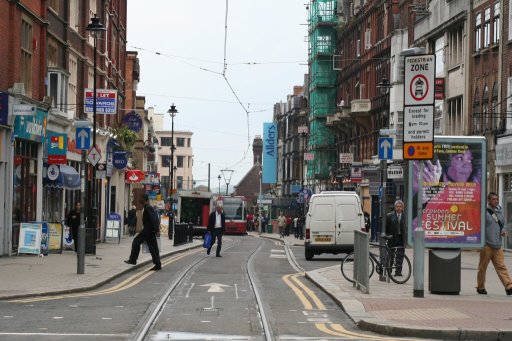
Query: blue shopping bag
{"points": [[207, 242]]}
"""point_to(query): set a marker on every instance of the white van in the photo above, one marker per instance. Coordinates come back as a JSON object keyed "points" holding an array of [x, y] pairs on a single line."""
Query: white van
{"points": [[330, 222]]}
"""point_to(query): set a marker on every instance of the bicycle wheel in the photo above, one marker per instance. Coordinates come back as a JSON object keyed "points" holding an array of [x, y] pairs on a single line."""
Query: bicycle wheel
{"points": [[405, 274], [347, 267]]}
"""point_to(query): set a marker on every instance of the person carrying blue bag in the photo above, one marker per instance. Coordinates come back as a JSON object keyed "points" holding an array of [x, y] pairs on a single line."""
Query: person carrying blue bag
{"points": [[216, 226], [207, 241]]}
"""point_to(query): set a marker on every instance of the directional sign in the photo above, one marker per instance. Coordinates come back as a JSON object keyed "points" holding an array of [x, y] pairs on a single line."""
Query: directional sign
{"points": [[83, 138], [93, 156], [385, 148], [419, 80]]}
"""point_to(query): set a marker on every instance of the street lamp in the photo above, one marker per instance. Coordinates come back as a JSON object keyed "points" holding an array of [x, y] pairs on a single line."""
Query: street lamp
{"points": [[95, 28], [172, 111], [219, 177]]}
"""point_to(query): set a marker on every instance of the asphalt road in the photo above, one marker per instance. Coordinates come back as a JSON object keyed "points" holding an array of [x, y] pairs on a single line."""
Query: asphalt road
{"points": [[214, 300]]}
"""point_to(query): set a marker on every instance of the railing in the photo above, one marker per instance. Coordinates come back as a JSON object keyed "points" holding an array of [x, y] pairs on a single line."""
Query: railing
{"points": [[361, 261]]}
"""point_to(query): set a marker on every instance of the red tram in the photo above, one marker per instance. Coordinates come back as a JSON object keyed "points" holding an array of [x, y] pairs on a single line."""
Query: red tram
{"points": [[235, 210]]}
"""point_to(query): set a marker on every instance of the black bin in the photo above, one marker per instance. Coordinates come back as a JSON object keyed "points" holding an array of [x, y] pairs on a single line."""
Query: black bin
{"points": [[90, 241], [444, 271]]}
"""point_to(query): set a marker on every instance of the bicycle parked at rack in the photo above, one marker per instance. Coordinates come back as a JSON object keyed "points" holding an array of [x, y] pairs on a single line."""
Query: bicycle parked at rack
{"points": [[387, 265]]}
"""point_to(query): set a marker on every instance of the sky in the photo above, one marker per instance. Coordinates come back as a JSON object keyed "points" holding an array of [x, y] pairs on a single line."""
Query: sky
{"points": [[181, 46]]}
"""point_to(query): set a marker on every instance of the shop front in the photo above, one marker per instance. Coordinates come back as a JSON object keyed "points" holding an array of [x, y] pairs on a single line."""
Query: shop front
{"points": [[6, 159], [504, 173]]}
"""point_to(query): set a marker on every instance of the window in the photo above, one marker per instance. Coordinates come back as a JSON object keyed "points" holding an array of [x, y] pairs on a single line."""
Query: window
{"points": [[73, 75], [180, 142], [179, 161], [455, 46], [54, 4], [188, 142], [179, 182], [166, 142], [53, 53], [487, 27], [58, 89], [478, 32], [496, 23], [26, 56], [454, 124], [166, 160], [74, 12]]}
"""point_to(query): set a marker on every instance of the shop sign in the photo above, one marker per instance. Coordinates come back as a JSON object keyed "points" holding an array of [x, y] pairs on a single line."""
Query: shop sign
{"points": [[57, 148], [269, 175], [395, 172], [132, 121], [31, 128], [134, 175]]}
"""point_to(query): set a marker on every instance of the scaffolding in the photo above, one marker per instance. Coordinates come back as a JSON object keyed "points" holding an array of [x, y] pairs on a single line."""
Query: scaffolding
{"points": [[322, 46]]}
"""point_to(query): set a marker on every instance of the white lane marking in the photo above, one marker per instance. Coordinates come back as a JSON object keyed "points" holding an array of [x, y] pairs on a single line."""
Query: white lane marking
{"points": [[119, 306], [236, 291], [73, 305], [277, 256], [190, 289], [106, 318], [58, 317], [8, 317], [277, 251], [216, 287], [205, 321]]}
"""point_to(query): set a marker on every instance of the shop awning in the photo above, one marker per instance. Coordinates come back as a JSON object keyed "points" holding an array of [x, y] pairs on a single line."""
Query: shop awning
{"points": [[67, 178]]}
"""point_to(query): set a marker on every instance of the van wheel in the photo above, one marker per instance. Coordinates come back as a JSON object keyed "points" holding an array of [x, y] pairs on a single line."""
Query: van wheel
{"points": [[309, 254]]}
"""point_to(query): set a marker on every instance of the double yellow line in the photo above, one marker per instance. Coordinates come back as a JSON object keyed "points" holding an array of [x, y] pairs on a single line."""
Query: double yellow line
{"points": [[126, 284], [311, 302]]}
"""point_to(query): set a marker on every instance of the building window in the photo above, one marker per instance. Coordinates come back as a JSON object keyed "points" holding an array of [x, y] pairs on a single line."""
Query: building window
{"points": [[165, 141], [179, 182], [455, 46], [179, 161], [454, 124], [73, 75], [58, 89], [74, 12], [496, 23], [188, 142], [478, 32], [26, 56], [54, 4], [180, 142], [166, 160], [487, 27], [53, 53]]}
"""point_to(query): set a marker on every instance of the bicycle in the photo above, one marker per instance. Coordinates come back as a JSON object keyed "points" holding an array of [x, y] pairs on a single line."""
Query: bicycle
{"points": [[387, 265]]}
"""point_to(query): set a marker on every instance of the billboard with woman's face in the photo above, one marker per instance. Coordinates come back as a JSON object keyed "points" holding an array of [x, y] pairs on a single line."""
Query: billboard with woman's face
{"points": [[453, 193]]}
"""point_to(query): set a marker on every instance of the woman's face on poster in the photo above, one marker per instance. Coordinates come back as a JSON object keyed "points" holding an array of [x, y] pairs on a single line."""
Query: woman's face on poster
{"points": [[461, 167]]}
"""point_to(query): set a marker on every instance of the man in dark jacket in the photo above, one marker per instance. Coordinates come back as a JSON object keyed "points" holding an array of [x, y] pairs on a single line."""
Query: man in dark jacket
{"points": [[216, 226], [148, 235], [395, 226], [132, 220], [73, 221]]}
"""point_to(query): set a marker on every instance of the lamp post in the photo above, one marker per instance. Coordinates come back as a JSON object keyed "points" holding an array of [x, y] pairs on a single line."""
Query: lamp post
{"points": [[95, 28], [219, 184], [172, 111], [260, 206], [384, 88]]}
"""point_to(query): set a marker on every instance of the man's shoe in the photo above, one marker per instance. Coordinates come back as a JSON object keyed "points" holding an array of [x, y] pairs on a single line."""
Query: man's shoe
{"points": [[156, 268], [509, 291], [484, 292], [130, 262], [208, 251], [218, 256]]}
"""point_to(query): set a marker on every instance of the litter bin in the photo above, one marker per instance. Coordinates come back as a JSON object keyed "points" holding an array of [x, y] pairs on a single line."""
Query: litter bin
{"points": [[444, 271], [269, 228], [90, 241]]}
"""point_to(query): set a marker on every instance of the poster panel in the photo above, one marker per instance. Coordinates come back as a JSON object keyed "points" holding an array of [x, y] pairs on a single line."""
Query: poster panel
{"points": [[55, 231], [30, 238], [453, 196], [67, 238]]}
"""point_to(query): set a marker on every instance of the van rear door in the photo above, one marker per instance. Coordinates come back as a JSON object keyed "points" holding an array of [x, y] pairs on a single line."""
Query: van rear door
{"points": [[322, 221], [348, 218]]}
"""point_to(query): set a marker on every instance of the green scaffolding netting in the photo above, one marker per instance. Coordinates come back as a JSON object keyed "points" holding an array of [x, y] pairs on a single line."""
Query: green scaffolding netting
{"points": [[322, 11]]}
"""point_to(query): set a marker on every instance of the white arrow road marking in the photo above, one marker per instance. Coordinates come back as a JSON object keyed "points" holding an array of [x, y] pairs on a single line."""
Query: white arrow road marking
{"points": [[216, 287]]}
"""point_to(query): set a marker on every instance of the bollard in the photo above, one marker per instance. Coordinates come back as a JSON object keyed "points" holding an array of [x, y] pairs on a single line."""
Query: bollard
{"points": [[190, 232]]}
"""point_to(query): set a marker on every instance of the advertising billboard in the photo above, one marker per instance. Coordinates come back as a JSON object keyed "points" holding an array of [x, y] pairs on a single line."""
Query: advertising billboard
{"points": [[269, 175], [453, 196], [106, 101]]}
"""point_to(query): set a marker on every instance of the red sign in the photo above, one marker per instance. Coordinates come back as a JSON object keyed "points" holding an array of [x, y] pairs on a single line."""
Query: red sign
{"points": [[439, 88], [57, 159], [134, 175]]}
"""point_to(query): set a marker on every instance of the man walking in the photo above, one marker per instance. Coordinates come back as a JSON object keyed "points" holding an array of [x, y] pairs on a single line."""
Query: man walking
{"points": [[395, 226], [492, 251], [73, 221], [148, 234], [216, 226]]}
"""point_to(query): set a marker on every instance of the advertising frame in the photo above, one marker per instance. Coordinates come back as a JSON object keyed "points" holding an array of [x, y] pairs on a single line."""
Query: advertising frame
{"points": [[452, 209], [269, 175]]}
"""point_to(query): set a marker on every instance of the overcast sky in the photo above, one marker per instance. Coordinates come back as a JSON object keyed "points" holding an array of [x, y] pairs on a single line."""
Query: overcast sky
{"points": [[177, 40]]}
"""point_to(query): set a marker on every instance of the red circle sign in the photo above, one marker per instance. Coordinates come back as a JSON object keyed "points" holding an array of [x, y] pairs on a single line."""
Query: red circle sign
{"points": [[418, 88]]}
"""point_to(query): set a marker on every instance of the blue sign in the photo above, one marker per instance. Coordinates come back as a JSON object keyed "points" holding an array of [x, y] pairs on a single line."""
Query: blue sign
{"points": [[106, 101], [31, 128], [83, 138], [4, 108], [120, 161], [132, 121], [114, 216], [57, 144], [385, 148], [269, 175]]}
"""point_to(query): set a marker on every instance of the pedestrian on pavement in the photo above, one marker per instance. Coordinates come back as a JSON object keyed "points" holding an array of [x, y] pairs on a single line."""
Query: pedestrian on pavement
{"points": [[73, 222], [492, 250], [395, 226], [150, 230], [367, 222], [264, 222], [288, 225], [281, 222], [296, 227], [216, 226], [250, 222], [132, 221]]}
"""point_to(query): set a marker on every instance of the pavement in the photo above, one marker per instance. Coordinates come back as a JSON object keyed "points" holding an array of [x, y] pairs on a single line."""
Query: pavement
{"points": [[388, 308]]}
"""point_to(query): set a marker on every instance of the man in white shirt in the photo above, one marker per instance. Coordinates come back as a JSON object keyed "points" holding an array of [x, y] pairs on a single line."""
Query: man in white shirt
{"points": [[216, 226]]}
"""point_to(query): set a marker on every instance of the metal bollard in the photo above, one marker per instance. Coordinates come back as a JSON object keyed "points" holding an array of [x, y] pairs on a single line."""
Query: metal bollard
{"points": [[190, 232]]}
